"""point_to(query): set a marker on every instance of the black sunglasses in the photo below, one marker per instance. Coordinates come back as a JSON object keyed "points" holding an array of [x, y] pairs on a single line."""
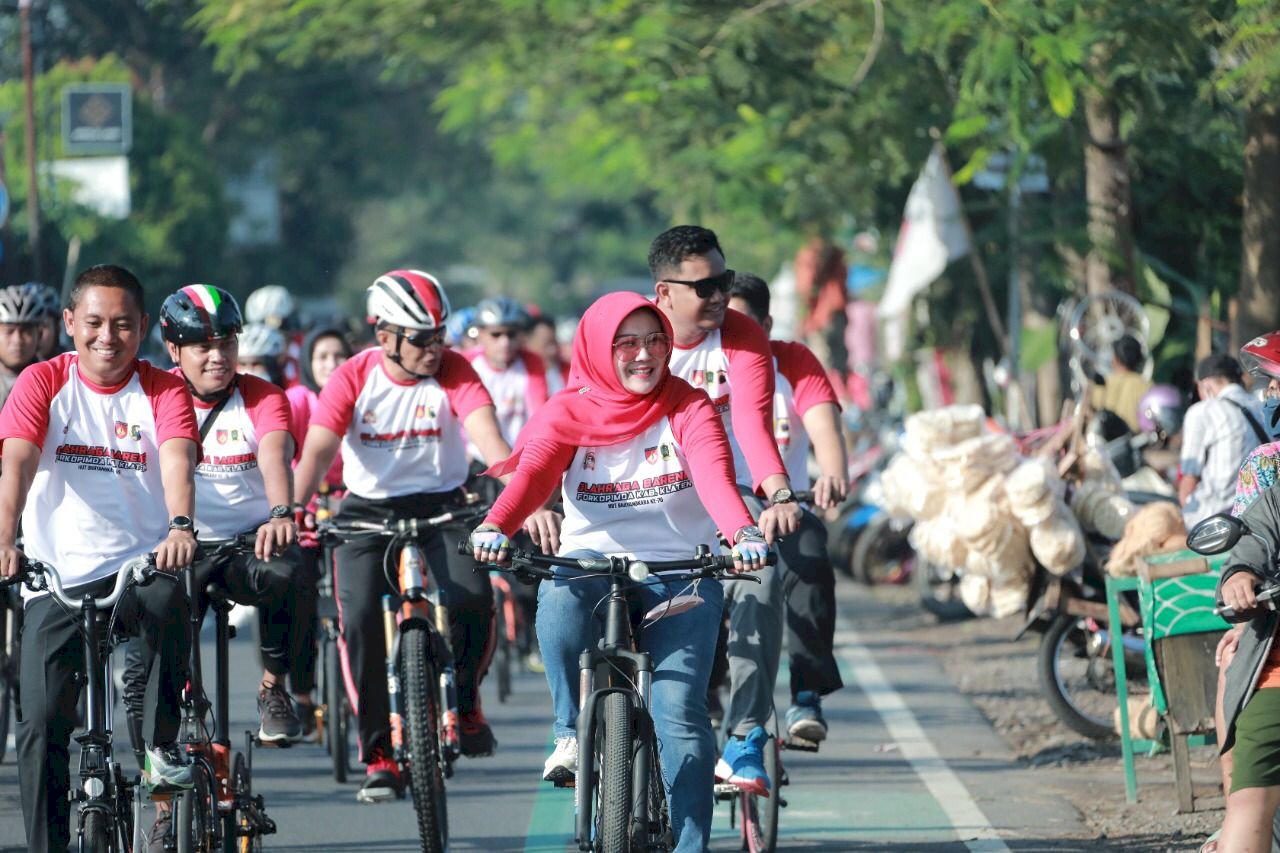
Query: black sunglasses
{"points": [[704, 287], [424, 339]]}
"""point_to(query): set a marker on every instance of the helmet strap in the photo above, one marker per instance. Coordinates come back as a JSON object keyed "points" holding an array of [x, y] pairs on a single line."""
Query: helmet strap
{"points": [[399, 359], [217, 396]]}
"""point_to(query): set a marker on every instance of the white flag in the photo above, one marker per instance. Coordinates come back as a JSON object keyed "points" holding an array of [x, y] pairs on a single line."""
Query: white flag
{"points": [[932, 235]]}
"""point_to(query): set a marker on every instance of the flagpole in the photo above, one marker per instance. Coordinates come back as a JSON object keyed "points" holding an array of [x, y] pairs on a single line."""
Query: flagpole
{"points": [[975, 259]]}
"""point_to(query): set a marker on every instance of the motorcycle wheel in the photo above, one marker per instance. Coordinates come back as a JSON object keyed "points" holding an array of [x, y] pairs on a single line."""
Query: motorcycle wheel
{"points": [[939, 591], [1079, 686]]}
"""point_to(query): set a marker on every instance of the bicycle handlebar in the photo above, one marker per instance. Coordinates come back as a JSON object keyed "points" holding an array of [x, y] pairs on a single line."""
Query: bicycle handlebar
{"points": [[398, 527], [40, 577], [705, 565]]}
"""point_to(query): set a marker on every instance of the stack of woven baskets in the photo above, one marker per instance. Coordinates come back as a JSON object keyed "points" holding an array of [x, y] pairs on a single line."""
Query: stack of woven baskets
{"points": [[980, 508]]}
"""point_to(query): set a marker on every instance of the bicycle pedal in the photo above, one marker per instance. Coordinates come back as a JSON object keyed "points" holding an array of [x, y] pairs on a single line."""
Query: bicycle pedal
{"points": [[800, 744], [726, 790]]}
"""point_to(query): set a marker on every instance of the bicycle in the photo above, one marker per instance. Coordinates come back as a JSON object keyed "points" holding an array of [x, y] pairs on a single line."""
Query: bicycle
{"points": [[221, 812], [10, 631], [425, 736], [620, 801], [110, 805], [334, 713], [509, 631]]}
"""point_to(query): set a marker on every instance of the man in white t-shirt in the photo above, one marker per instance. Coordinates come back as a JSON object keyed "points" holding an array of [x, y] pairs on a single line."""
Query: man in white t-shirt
{"points": [[398, 412], [99, 460], [1217, 435], [515, 377], [728, 355], [243, 485]]}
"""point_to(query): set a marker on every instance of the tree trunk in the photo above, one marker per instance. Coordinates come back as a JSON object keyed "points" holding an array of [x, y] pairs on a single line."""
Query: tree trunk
{"points": [[1260, 227], [1109, 265]]}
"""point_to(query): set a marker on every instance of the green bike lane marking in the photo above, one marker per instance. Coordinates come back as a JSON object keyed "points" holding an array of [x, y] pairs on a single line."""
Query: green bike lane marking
{"points": [[551, 821]]}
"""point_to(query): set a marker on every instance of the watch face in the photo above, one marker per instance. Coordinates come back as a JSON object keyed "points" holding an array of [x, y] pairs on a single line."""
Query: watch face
{"points": [[783, 495], [180, 522]]}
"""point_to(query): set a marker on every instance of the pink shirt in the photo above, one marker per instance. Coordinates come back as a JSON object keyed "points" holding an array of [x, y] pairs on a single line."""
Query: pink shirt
{"points": [[97, 498], [654, 520], [400, 437], [302, 402]]}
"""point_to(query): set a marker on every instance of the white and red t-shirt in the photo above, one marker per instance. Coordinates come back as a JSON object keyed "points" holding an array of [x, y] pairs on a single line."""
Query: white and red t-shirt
{"points": [[634, 498], [656, 496], [517, 392], [97, 498], [400, 438], [231, 494], [735, 366], [801, 384]]}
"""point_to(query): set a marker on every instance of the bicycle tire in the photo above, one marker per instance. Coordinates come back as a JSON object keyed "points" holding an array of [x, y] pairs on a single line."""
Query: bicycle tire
{"points": [[238, 836], [879, 552], [613, 755], [760, 814], [95, 834], [191, 817], [125, 817], [422, 723], [504, 656], [335, 714], [1057, 641], [938, 594]]}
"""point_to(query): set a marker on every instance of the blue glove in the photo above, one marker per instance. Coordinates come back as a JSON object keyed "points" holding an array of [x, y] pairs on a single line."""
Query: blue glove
{"points": [[751, 552], [490, 543]]}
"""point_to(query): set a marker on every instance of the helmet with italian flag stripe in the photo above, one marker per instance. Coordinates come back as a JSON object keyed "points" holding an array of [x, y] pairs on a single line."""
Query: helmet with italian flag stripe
{"points": [[199, 313]]}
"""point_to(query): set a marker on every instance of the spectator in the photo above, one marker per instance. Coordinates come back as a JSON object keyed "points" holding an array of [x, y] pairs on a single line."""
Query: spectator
{"points": [[821, 276], [1217, 436], [1125, 385]]}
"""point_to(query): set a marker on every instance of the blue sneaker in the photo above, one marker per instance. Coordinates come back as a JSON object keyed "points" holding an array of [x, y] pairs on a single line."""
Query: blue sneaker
{"points": [[804, 718], [742, 763]]}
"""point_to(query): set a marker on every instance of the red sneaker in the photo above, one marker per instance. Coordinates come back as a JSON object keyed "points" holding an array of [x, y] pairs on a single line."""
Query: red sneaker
{"points": [[477, 737], [381, 781]]}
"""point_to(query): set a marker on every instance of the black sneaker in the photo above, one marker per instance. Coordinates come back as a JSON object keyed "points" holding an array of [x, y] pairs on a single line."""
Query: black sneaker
{"points": [[475, 734], [280, 723]]}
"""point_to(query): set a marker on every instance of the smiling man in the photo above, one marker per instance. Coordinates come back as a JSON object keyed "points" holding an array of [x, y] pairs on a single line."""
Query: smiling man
{"points": [[727, 354]]}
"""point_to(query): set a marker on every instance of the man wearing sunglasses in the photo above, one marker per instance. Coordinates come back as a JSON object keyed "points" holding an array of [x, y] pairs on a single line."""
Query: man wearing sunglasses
{"points": [[728, 355], [399, 412]]}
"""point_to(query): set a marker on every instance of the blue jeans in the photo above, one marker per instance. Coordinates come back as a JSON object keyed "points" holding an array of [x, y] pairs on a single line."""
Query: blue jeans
{"points": [[682, 648]]}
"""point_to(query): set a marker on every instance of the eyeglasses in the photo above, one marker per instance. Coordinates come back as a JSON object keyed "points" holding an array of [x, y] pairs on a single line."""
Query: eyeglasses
{"points": [[627, 347], [704, 287], [426, 339]]}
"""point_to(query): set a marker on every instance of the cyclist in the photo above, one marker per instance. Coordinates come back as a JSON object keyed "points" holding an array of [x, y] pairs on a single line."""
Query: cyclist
{"points": [[728, 355], [515, 377], [51, 328], [398, 412], [630, 421], [99, 459], [543, 342], [323, 351], [805, 412], [274, 306], [23, 313], [242, 484], [262, 353]]}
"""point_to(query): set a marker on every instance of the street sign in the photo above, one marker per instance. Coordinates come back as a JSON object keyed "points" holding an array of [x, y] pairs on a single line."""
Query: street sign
{"points": [[97, 118]]}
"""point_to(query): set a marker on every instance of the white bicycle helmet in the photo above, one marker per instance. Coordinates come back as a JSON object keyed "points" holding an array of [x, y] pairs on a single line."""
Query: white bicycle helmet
{"points": [[272, 305], [260, 341], [411, 299], [22, 304]]}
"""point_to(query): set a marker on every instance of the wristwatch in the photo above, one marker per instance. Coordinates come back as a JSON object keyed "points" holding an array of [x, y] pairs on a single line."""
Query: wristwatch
{"points": [[748, 531], [281, 511], [183, 523], [783, 496]]}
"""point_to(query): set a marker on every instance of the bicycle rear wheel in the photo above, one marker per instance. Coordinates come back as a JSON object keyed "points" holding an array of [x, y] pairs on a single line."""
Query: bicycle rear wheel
{"points": [[613, 756], [760, 814], [503, 660], [421, 684], [193, 818]]}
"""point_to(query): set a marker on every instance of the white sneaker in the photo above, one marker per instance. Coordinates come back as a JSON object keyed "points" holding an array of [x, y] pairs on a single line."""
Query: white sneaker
{"points": [[562, 765]]}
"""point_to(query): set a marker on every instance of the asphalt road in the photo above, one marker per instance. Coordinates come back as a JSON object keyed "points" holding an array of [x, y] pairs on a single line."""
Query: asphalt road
{"points": [[909, 765]]}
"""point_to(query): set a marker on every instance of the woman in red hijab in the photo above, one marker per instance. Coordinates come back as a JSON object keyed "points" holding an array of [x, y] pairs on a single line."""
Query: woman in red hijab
{"points": [[647, 471]]}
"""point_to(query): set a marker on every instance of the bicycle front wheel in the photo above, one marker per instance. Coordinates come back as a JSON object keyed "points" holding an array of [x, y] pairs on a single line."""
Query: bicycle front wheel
{"points": [[421, 683], [193, 819], [95, 835], [760, 814], [613, 756], [335, 709]]}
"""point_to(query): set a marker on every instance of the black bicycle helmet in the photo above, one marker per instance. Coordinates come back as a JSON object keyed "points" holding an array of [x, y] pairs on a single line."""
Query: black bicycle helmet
{"points": [[199, 313]]}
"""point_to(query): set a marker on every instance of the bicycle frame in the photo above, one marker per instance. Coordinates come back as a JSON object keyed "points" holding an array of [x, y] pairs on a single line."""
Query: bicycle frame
{"points": [[421, 601]]}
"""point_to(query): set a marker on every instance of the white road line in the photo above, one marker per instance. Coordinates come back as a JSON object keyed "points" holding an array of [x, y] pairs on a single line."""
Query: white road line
{"points": [[972, 826]]}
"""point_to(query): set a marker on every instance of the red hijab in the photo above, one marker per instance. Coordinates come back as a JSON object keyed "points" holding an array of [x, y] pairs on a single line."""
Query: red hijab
{"points": [[594, 409]]}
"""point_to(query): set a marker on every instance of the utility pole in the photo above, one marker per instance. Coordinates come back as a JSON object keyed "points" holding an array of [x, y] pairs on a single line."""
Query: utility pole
{"points": [[33, 190]]}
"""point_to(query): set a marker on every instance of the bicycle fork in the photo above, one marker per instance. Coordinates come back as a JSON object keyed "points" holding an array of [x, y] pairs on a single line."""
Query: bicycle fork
{"points": [[447, 698]]}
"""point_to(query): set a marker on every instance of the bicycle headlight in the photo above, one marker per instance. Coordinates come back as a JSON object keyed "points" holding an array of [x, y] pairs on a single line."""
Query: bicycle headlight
{"points": [[638, 570], [94, 787]]}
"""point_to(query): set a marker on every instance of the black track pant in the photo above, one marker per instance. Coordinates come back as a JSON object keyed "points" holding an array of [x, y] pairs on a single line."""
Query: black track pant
{"points": [[52, 654], [306, 579], [360, 582], [809, 585]]}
